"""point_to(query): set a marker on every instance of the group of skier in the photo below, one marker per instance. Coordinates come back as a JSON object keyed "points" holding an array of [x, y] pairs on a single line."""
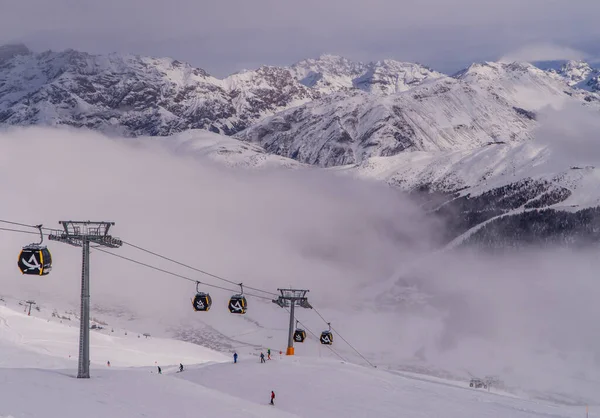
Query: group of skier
{"points": [[262, 356], [180, 368], [262, 360], [235, 358]]}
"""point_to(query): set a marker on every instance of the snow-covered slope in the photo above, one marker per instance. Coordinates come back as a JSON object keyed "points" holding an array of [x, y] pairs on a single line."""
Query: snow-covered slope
{"points": [[313, 387], [475, 171], [556, 170], [222, 149], [486, 103], [304, 387], [55, 334]]}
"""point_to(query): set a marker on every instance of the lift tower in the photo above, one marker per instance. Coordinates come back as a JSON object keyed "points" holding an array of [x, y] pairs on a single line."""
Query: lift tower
{"points": [[291, 298], [29, 302], [81, 234]]}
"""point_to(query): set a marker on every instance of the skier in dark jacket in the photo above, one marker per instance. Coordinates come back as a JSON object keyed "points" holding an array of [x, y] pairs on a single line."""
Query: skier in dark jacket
{"points": [[180, 367], [159, 370], [235, 356], [262, 357], [272, 397]]}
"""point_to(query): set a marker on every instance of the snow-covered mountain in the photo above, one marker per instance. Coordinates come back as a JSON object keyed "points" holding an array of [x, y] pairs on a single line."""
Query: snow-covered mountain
{"points": [[486, 103], [136, 95], [331, 73], [328, 73], [326, 111], [486, 184], [579, 74]]}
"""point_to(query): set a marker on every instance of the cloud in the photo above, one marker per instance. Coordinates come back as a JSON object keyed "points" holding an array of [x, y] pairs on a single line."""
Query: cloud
{"points": [[544, 52], [268, 228], [226, 35], [570, 135], [524, 317]]}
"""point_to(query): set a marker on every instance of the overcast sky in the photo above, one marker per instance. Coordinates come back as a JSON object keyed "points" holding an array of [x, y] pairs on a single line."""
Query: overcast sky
{"points": [[223, 36]]}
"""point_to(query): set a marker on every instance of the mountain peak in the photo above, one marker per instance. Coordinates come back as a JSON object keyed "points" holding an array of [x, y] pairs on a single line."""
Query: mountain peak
{"points": [[327, 73], [390, 76], [574, 72], [492, 69], [328, 62], [332, 57]]}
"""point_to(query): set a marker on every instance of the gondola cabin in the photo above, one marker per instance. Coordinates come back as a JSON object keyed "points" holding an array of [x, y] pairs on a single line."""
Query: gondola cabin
{"points": [[326, 338], [299, 335], [201, 302], [238, 304], [35, 260]]}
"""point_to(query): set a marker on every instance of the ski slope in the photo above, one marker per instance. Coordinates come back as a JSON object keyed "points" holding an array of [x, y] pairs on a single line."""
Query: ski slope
{"points": [[23, 336], [35, 365], [116, 394]]}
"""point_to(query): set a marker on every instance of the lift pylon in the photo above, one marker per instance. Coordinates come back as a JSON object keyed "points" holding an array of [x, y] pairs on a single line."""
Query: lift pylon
{"points": [[81, 234], [291, 298]]}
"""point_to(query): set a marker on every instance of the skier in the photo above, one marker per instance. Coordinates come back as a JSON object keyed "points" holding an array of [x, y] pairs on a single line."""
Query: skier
{"points": [[180, 367], [159, 370], [235, 356], [262, 357], [108, 363], [272, 397], [269, 353]]}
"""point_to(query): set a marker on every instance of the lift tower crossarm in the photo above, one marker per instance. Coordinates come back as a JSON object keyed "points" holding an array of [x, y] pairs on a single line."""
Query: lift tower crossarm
{"points": [[292, 298], [81, 234]]}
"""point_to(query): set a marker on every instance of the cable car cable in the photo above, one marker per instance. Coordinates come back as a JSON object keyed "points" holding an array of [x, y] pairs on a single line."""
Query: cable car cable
{"points": [[223, 288], [19, 230], [176, 274], [190, 279], [155, 254], [18, 223], [343, 339], [27, 226], [196, 269], [147, 265]]}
